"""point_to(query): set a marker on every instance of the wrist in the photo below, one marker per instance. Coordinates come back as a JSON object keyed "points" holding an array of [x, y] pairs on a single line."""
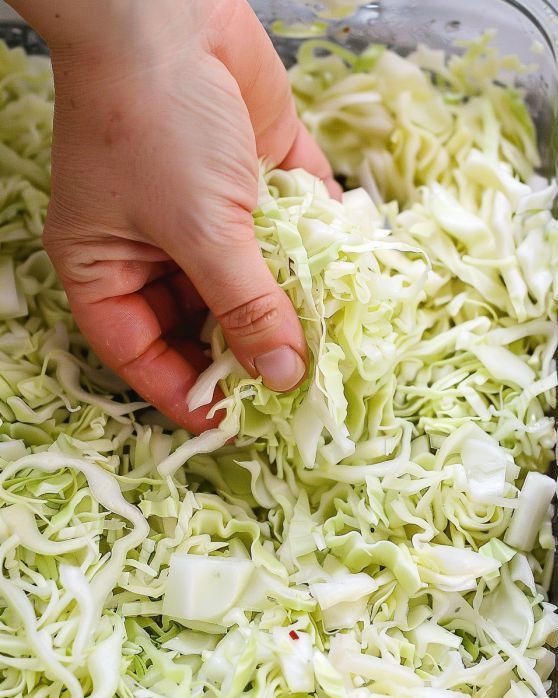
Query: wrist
{"points": [[114, 36]]}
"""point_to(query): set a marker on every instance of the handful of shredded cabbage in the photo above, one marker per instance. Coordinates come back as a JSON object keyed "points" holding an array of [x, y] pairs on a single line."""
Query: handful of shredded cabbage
{"points": [[384, 529]]}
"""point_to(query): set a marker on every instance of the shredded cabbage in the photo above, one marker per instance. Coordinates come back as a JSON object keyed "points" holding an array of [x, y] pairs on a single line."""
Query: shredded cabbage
{"points": [[393, 124], [383, 530]]}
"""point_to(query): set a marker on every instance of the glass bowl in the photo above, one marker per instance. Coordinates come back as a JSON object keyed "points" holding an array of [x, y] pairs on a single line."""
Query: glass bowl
{"points": [[527, 28]]}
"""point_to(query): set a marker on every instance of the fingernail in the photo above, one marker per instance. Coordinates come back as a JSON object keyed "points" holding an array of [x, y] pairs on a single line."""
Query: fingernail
{"points": [[281, 369]]}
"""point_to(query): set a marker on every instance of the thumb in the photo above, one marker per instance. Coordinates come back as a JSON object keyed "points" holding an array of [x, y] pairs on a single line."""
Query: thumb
{"points": [[258, 319]]}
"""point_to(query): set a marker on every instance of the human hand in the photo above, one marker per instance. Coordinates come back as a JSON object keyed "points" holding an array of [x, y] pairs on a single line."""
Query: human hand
{"points": [[161, 115]]}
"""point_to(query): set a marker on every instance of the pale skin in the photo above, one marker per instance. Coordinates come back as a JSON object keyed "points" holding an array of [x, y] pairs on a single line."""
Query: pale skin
{"points": [[162, 111]]}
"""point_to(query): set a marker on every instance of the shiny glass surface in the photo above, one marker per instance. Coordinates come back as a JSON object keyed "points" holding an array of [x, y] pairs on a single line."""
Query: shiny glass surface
{"points": [[527, 28]]}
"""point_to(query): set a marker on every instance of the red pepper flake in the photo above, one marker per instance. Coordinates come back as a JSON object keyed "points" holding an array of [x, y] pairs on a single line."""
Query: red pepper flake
{"points": [[294, 635]]}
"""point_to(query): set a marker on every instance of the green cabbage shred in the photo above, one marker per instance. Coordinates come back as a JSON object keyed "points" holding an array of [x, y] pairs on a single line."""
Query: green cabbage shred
{"points": [[382, 530]]}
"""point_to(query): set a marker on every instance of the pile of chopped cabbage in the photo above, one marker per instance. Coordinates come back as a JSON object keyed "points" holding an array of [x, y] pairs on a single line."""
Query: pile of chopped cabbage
{"points": [[383, 530]]}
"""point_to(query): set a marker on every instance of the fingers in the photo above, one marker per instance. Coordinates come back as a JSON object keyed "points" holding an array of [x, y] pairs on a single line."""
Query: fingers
{"points": [[176, 304], [258, 319], [280, 137], [125, 316], [126, 334]]}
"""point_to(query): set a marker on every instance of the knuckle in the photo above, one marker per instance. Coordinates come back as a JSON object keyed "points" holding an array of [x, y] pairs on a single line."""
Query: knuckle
{"points": [[65, 256], [60, 238], [51, 235], [258, 315], [234, 227]]}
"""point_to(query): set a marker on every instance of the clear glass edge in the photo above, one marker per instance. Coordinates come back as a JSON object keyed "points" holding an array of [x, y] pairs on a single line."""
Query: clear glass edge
{"points": [[16, 32]]}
